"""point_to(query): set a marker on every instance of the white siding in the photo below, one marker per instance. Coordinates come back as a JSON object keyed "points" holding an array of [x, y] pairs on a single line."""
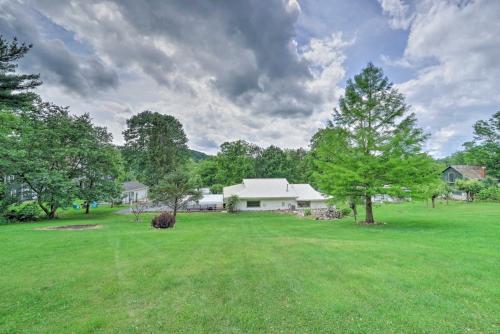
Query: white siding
{"points": [[318, 205], [135, 195], [267, 204]]}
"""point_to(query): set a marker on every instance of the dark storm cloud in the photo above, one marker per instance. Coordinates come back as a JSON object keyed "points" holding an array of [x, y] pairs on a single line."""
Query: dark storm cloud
{"points": [[246, 47], [51, 57]]}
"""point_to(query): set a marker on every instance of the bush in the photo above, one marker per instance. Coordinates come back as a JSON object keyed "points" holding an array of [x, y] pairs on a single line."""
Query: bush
{"points": [[164, 220], [231, 204], [24, 212], [345, 212], [489, 194], [307, 212]]}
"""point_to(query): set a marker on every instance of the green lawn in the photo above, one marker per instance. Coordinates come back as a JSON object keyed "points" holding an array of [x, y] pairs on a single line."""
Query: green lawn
{"points": [[424, 271]]}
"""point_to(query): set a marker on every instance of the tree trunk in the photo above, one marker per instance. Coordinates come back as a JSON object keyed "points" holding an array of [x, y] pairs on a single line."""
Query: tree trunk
{"points": [[43, 207], [53, 209], [175, 207], [433, 199], [87, 207], [354, 211], [369, 210]]}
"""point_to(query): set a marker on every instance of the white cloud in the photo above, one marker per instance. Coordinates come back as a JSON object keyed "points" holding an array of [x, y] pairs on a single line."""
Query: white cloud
{"points": [[454, 49], [398, 12]]}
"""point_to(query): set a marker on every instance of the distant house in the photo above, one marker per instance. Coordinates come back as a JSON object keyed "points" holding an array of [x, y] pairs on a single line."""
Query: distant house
{"points": [[16, 189], [133, 192], [274, 194], [453, 173], [463, 172]]}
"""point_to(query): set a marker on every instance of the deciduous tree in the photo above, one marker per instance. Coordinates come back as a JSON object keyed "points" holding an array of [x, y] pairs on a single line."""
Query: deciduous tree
{"points": [[372, 145], [175, 190], [155, 145]]}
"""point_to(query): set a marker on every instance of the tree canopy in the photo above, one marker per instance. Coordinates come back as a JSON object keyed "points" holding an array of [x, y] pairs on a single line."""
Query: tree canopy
{"points": [[155, 144], [372, 144]]}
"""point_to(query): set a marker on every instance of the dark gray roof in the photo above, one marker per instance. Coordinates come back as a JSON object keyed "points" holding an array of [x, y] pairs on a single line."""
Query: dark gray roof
{"points": [[133, 185], [470, 172]]}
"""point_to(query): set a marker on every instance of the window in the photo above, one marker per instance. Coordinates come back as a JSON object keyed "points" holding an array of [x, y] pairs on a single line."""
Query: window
{"points": [[253, 204], [451, 177], [304, 204]]}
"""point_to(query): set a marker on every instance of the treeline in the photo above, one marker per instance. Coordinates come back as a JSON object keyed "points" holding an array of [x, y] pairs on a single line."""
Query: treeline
{"points": [[239, 159], [156, 145]]}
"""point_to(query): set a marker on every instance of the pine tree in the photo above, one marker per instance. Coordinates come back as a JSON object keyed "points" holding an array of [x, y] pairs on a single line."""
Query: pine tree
{"points": [[14, 88]]}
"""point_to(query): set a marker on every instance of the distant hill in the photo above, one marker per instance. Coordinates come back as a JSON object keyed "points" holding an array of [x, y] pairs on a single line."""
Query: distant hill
{"points": [[197, 155]]}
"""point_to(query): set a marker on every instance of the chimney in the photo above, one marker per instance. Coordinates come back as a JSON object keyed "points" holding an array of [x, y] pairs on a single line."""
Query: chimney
{"points": [[483, 172]]}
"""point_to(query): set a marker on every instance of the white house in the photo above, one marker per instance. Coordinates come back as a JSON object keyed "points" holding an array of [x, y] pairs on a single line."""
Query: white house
{"points": [[134, 192], [274, 194]]}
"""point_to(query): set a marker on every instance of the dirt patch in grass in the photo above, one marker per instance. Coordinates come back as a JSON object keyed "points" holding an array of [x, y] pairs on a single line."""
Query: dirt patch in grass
{"points": [[71, 227]]}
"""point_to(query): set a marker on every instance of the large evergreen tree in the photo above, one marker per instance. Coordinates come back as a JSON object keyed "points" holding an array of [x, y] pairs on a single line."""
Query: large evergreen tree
{"points": [[14, 88], [372, 145], [155, 145]]}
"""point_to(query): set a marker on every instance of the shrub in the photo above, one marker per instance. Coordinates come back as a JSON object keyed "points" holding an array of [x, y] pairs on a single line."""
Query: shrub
{"points": [[23, 212], [345, 212], [489, 194], [164, 220], [231, 204], [307, 212]]}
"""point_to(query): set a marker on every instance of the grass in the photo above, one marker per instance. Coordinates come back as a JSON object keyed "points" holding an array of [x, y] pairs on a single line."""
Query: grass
{"points": [[424, 271]]}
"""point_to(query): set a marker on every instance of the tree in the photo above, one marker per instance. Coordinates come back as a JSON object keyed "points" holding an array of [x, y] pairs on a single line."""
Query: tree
{"points": [[207, 170], [100, 166], [372, 145], [14, 88], [236, 161], [272, 162], [175, 190], [44, 152], [155, 145], [232, 203], [470, 187], [432, 190], [484, 149]]}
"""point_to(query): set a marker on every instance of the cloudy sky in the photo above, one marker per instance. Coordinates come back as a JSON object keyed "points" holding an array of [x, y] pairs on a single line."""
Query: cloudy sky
{"points": [[269, 72]]}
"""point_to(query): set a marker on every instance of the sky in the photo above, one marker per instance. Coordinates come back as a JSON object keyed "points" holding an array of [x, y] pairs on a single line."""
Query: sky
{"points": [[269, 72]]}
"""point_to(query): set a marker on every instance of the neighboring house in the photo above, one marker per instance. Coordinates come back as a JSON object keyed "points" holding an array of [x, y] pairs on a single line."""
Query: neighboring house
{"points": [[459, 172], [274, 194], [133, 192], [462, 172], [18, 190]]}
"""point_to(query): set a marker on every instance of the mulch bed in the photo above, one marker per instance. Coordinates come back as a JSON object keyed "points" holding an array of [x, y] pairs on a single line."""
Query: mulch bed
{"points": [[72, 227]]}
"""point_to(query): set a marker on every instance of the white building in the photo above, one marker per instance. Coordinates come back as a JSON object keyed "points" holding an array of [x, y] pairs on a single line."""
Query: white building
{"points": [[274, 194], [134, 192]]}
